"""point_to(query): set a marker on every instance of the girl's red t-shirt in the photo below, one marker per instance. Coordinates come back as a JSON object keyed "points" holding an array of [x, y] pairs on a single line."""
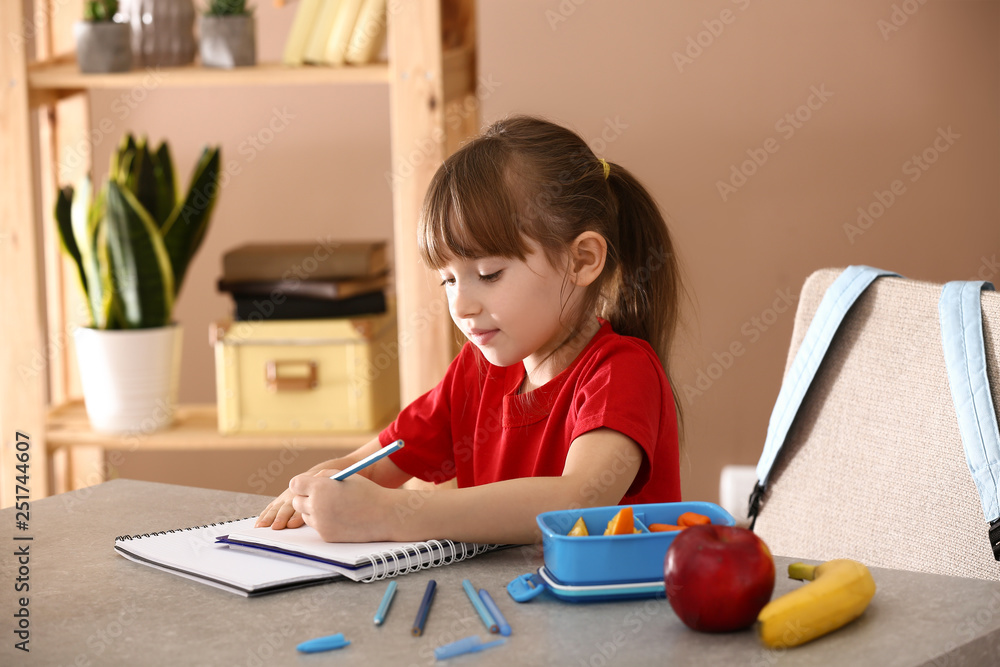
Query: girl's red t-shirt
{"points": [[475, 426]]}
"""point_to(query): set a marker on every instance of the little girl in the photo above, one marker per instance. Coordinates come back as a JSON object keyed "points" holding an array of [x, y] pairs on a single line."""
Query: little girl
{"points": [[559, 269]]}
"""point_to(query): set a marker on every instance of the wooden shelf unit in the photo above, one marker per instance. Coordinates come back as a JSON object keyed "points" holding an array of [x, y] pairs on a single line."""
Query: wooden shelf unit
{"points": [[425, 79]]}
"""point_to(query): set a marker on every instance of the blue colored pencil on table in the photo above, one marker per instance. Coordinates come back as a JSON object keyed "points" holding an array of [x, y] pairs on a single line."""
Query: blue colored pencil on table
{"points": [[425, 608], [480, 608], [495, 612], [383, 608]]}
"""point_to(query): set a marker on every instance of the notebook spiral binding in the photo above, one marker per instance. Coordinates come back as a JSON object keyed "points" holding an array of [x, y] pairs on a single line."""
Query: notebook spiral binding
{"points": [[407, 559], [122, 538]]}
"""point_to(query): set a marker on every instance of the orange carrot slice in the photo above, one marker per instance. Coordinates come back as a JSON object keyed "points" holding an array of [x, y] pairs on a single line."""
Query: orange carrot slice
{"points": [[693, 519], [664, 527]]}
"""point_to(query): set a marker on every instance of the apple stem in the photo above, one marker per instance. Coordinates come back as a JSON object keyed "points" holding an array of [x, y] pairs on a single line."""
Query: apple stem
{"points": [[801, 571]]}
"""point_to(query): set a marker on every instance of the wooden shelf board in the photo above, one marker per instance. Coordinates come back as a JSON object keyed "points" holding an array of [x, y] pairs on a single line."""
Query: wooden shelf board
{"points": [[63, 75], [195, 427]]}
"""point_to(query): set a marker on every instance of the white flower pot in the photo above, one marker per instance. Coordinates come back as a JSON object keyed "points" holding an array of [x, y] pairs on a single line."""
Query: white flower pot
{"points": [[129, 377]]}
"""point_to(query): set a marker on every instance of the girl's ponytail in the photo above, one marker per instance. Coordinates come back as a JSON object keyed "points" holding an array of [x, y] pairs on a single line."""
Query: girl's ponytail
{"points": [[645, 299]]}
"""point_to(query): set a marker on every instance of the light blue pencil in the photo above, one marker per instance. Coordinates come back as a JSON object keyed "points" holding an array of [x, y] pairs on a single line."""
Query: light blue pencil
{"points": [[368, 460], [484, 614], [383, 608]]}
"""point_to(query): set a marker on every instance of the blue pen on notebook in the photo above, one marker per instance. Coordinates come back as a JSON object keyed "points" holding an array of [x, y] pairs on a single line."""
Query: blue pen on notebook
{"points": [[495, 612], [368, 460], [480, 607], [383, 608], [468, 645]]}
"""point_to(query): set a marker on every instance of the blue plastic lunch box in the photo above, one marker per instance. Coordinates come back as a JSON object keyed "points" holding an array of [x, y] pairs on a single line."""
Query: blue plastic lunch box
{"points": [[531, 585], [599, 559]]}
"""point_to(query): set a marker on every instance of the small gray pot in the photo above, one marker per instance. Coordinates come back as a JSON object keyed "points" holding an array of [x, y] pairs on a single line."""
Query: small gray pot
{"points": [[103, 46], [162, 32], [227, 41]]}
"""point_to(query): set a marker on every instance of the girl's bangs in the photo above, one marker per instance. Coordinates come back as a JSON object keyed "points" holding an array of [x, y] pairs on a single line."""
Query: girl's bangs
{"points": [[469, 213]]}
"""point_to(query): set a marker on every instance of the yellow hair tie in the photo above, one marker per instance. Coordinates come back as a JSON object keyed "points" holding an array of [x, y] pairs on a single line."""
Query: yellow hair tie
{"points": [[607, 167]]}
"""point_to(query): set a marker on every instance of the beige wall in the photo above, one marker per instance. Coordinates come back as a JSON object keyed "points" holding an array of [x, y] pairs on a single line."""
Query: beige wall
{"points": [[616, 72]]}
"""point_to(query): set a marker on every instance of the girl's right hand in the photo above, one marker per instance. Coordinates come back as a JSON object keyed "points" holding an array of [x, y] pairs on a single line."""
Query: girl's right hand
{"points": [[279, 513]]}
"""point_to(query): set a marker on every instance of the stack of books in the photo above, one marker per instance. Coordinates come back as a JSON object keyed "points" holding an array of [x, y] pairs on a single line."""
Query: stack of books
{"points": [[336, 32], [288, 281]]}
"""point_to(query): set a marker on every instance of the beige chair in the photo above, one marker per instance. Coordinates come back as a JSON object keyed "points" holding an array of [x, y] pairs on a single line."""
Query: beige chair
{"points": [[873, 467]]}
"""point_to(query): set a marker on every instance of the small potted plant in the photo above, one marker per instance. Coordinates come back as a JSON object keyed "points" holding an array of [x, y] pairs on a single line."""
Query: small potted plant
{"points": [[103, 44], [227, 35], [132, 242]]}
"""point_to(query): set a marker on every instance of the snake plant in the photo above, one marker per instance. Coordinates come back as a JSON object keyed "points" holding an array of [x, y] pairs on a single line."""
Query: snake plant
{"points": [[227, 8], [133, 240], [99, 11]]}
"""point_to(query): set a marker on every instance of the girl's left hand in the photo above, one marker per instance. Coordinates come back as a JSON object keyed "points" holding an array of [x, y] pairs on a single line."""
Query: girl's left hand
{"points": [[350, 510]]}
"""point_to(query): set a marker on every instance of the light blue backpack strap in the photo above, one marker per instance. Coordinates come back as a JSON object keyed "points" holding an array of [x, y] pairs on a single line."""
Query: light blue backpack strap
{"points": [[837, 300], [965, 357]]}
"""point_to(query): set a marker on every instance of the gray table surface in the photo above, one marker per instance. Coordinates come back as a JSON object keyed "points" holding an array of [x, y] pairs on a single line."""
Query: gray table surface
{"points": [[90, 606]]}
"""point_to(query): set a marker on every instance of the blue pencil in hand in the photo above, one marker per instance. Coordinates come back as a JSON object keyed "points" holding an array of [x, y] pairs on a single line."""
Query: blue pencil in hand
{"points": [[368, 460]]}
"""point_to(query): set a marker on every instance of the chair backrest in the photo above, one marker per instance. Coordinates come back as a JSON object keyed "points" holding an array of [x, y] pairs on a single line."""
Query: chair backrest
{"points": [[873, 467]]}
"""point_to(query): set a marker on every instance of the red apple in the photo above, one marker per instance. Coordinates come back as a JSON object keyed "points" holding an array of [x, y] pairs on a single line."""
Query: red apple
{"points": [[718, 578]]}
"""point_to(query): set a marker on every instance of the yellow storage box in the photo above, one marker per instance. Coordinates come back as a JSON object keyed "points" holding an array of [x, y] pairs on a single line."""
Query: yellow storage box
{"points": [[284, 376]]}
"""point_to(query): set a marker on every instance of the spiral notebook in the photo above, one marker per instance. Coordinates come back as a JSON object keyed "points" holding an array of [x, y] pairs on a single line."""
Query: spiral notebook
{"points": [[239, 558], [361, 561]]}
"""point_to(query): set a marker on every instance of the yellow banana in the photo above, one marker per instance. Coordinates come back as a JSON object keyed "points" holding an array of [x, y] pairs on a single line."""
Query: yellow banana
{"points": [[838, 592]]}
